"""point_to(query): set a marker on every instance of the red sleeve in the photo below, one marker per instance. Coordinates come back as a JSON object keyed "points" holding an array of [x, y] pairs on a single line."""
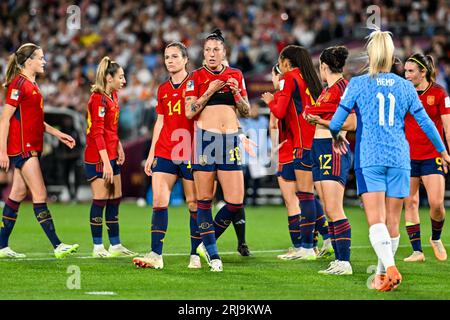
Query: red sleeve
{"points": [[242, 87], [159, 106], [444, 103], [192, 86], [282, 98], [98, 112], [15, 92]]}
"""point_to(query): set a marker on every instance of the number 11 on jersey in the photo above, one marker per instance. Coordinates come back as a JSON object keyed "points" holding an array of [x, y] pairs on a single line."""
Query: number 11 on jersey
{"points": [[381, 108]]}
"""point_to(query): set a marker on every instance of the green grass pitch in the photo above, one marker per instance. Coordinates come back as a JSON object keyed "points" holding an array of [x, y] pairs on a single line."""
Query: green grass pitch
{"points": [[261, 276]]}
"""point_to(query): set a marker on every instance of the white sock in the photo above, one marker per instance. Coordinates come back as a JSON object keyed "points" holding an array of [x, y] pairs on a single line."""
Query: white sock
{"points": [[116, 246], [394, 242], [98, 246], [382, 244]]}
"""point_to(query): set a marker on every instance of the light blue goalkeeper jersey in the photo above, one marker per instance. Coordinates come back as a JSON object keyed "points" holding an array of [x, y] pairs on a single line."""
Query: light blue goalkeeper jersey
{"points": [[381, 104]]}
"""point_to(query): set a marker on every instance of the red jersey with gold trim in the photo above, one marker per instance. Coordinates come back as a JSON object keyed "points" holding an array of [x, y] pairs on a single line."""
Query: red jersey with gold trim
{"points": [[26, 126], [200, 79], [175, 139], [102, 125], [436, 103], [328, 100], [286, 152], [289, 104]]}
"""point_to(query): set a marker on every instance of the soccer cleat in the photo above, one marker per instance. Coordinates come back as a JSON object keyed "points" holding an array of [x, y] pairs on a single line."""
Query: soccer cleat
{"points": [[377, 281], [326, 250], [8, 253], [120, 251], [203, 253], [416, 256], [331, 266], [439, 250], [243, 250], [194, 262], [392, 280], [216, 265], [151, 260], [100, 252], [292, 254], [307, 254], [64, 250], [341, 268], [316, 250]]}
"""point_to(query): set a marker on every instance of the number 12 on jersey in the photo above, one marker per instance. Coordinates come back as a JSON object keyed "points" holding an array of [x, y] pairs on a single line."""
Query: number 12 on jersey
{"points": [[381, 108]]}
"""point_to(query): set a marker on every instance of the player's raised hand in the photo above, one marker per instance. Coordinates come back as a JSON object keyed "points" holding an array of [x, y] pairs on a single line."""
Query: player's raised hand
{"points": [[340, 145], [313, 119], [233, 84], [216, 85], [67, 140], [267, 97], [4, 161]]}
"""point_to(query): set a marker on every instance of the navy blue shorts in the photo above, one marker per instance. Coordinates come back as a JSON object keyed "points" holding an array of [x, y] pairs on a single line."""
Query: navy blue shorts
{"points": [[95, 170], [216, 151], [302, 159], [426, 167], [286, 171], [327, 165], [19, 160], [178, 168]]}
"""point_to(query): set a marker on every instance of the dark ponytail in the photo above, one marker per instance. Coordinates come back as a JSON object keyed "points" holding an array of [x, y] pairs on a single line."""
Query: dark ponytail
{"points": [[334, 58], [425, 62], [300, 58]]}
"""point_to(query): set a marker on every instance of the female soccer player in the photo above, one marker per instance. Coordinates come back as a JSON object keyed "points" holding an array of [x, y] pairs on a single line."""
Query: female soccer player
{"points": [[330, 169], [169, 157], [381, 100], [103, 157], [213, 93], [22, 129], [426, 163], [299, 88]]}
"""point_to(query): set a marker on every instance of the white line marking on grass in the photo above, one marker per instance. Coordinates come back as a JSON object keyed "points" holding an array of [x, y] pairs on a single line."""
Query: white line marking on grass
{"points": [[37, 258], [101, 293]]}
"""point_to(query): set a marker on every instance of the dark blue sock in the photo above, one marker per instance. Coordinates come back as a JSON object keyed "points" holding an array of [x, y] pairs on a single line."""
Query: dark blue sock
{"points": [[414, 236], [96, 220], [160, 219], [196, 238], [8, 221], [308, 222], [239, 225], [321, 221], [333, 239], [206, 227], [224, 217], [294, 230], [343, 236], [436, 229], [112, 220], [44, 218]]}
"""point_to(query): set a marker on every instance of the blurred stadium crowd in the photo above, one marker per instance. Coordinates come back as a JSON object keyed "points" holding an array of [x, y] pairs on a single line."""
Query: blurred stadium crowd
{"points": [[134, 33]]}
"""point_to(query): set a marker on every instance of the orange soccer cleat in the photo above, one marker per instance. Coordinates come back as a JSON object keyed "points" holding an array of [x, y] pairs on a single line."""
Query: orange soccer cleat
{"points": [[378, 281], [392, 280], [439, 249]]}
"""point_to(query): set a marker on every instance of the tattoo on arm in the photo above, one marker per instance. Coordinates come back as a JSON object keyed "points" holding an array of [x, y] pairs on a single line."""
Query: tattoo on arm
{"points": [[243, 106]]}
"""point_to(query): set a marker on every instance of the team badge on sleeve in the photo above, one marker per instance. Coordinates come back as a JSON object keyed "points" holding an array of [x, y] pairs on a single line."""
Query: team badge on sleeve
{"points": [[243, 84], [15, 94], [101, 112], [190, 85], [447, 102]]}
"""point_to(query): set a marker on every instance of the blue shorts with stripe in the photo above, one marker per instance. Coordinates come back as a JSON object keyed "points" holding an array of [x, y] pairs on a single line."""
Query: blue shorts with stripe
{"points": [[394, 181], [328, 165], [426, 167], [302, 159], [178, 168], [19, 160], [95, 170], [286, 171], [216, 151]]}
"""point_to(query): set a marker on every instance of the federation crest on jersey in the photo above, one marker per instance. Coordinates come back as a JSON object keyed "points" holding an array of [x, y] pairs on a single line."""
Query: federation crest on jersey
{"points": [[430, 100], [202, 159], [15, 94], [447, 102], [190, 85], [101, 112]]}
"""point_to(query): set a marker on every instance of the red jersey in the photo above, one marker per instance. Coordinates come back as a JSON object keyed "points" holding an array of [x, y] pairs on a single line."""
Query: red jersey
{"points": [[200, 79], [26, 126], [176, 135], [289, 104], [436, 103], [102, 125], [286, 152], [328, 100]]}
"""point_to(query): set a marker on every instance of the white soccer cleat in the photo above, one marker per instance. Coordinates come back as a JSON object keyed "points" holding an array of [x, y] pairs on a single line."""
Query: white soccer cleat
{"points": [[100, 252], [8, 253], [194, 262], [307, 254], [287, 256], [331, 266], [203, 253], [341, 268], [216, 265], [120, 251], [151, 260], [64, 250], [326, 250], [416, 256]]}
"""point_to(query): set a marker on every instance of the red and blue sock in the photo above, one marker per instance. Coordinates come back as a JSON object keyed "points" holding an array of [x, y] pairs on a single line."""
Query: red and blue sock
{"points": [[294, 230], [44, 218], [413, 231], [196, 238], [436, 229], [308, 222], [343, 235], [8, 221], [112, 220], [225, 217], [160, 219], [206, 227], [321, 221], [96, 220]]}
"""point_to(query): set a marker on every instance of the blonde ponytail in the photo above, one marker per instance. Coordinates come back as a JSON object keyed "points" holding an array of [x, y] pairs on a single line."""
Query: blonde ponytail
{"points": [[380, 49], [16, 61], [106, 66]]}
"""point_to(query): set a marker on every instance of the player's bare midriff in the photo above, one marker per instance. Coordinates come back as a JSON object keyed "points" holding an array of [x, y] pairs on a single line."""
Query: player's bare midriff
{"points": [[323, 132], [218, 118]]}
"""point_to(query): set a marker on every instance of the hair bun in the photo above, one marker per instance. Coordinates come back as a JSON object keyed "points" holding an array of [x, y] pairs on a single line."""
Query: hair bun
{"points": [[341, 54]]}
